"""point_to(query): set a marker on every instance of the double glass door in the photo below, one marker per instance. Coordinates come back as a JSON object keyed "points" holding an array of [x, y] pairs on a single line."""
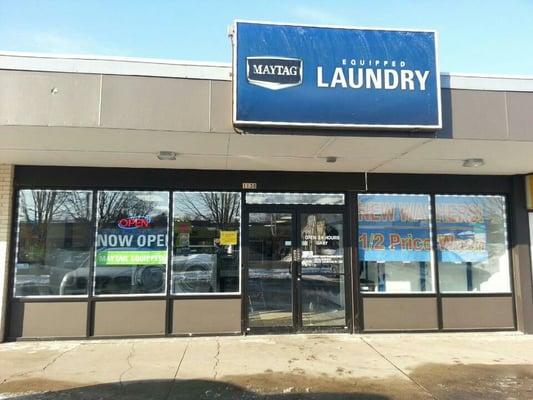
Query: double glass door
{"points": [[295, 270]]}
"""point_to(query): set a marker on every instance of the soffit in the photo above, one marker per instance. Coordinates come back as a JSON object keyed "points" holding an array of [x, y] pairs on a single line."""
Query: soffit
{"points": [[135, 148]]}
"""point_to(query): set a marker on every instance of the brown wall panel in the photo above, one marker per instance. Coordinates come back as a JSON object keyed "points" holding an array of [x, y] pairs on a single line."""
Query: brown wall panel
{"points": [[400, 313], [31, 320], [477, 312], [126, 318], [206, 316]]}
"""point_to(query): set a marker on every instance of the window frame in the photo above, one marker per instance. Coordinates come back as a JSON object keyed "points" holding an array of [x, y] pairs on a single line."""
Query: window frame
{"points": [[433, 265], [437, 292], [15, 247], [95, 247], [506, 218], [294, 194], [173, 294], [91, 294]]}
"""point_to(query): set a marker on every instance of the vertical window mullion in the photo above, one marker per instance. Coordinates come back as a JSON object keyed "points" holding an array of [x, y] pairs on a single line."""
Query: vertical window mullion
{"points": [[92, 261], [168, 276], [435, 253]]}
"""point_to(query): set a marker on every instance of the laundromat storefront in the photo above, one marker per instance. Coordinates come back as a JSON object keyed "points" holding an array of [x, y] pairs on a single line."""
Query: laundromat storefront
{"points": [[329, 179], [209, 258]]}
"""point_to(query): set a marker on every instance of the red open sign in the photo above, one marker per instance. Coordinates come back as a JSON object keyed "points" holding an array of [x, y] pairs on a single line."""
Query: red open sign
{"points": [[134, 222]]}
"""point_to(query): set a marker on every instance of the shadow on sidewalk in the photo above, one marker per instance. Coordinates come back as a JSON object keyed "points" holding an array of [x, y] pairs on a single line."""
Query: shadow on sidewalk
{"points": [[427, 381], [165, 390]]}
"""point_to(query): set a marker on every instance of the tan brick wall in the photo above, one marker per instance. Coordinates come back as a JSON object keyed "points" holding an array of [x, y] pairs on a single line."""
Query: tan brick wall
{"points": [[6, 190]]}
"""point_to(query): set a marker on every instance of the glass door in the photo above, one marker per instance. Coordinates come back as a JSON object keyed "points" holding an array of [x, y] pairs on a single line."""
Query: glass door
{"points": [[321, 280], [270, 271], [295, 275]]}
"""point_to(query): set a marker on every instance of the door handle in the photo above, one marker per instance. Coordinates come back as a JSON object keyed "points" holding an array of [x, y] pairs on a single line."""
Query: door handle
{"points": [[296, 255]]}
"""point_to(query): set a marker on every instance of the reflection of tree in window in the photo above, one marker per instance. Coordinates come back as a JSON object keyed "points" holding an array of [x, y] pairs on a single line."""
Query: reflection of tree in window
{"points": [[201, 263], [54, 237], [42, 210], [115, 205], [78, 205], [220, 208]]}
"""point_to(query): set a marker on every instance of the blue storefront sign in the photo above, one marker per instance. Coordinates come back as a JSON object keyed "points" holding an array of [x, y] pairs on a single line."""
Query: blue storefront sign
{"points": [[311, 76]]}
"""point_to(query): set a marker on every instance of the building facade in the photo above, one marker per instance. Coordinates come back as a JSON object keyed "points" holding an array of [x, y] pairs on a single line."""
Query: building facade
{"points": [[131, 206]]}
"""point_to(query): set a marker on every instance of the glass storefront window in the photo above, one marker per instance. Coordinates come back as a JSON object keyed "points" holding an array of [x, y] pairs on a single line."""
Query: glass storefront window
{"points": [[472, 244], [131, 242], [395, 249], [206, 242], [295, 198], [54, 242]]}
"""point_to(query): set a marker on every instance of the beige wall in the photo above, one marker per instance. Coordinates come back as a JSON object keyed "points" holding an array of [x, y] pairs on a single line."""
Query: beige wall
{"points": [[6, 190], [203, 105], [114, 101]]}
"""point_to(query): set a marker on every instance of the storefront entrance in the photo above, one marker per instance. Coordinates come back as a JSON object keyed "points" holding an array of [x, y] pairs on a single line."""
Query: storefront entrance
{"points": [[295, 269]]}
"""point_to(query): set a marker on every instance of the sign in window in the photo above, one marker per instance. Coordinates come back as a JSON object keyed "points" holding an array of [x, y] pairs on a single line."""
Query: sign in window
{"points": [[395, 243]]}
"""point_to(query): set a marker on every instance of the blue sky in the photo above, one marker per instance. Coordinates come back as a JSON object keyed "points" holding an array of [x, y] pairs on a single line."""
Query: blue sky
{"points": [[476, 36]]}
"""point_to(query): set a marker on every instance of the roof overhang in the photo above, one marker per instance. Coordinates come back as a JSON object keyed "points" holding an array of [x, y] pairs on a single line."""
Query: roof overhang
{"points": [[65, 140]]}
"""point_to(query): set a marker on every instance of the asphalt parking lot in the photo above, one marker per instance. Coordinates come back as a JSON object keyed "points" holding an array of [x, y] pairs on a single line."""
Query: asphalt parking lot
{"points": [[415, 366]]}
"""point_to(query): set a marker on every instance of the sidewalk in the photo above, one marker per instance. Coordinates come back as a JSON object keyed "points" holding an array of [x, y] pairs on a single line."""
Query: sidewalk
{"points": [[416, 366]]}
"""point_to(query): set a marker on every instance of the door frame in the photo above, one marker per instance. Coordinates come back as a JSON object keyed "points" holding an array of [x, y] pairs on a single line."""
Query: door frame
{"points": [[296, 210]]}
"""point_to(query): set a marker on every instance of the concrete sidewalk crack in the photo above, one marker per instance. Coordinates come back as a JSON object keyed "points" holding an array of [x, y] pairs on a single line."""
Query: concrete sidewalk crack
{"points": [[400, 370], [177, 371], [217, 361], [58, 357], [42, 369], [130, 366]]}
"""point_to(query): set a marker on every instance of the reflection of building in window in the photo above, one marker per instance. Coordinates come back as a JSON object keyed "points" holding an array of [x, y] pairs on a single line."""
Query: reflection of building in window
{"points": [[321, 243], [314, 233]]}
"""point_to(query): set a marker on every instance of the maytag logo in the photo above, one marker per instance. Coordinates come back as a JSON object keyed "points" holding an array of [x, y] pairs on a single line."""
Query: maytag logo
{"points": [[274, 72]]}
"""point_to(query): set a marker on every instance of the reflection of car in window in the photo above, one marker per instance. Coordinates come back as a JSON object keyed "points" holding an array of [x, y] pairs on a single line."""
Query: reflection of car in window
{"points": [[44, 277], [194, 269], [115, 279], [205, 269]]}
